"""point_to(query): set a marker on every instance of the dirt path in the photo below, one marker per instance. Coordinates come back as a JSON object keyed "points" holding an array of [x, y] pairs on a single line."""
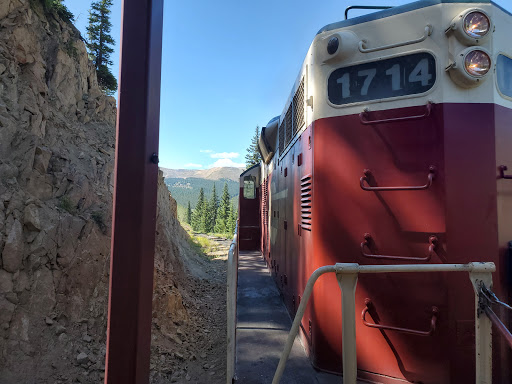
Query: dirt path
{"points": [[196, 352]]}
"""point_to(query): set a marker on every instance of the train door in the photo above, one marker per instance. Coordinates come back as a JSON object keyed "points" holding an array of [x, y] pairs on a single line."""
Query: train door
{"points": [[249, 230]]}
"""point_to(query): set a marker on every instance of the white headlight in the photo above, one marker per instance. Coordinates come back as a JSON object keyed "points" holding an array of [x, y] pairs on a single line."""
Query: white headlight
{"points": [[471, 27], [476, 24], [477, 63], [471, 67]]}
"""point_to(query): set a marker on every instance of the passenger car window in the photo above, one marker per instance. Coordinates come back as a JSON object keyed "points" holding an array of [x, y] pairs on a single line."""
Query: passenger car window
{"points": [[504, 75], [249, 187]]}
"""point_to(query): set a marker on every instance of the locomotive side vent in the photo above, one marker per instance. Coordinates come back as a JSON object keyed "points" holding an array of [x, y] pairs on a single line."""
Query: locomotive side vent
{"points": [[298, 108], [289, 126], [293, 119], [265, 202], [281, 137], [305, 201]]}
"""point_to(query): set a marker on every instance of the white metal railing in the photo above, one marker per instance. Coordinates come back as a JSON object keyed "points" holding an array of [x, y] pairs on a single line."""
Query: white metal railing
{"points": [[232, 282], [347, 274]]}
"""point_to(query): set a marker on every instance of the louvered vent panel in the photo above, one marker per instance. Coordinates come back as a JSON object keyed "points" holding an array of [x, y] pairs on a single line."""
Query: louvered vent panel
{"points": [[298, 108], [265, 204], [281, 137], [305, 202], [289, 126]]}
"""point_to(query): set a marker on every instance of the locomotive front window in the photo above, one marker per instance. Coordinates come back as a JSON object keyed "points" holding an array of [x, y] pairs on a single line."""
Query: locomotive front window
{"points": [[504, 75], [249, 187], [398, 76]]}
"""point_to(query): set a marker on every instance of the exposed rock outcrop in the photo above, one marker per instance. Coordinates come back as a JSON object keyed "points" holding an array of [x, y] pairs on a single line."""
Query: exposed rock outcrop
{"points": [[55, 195], [57, 144]]}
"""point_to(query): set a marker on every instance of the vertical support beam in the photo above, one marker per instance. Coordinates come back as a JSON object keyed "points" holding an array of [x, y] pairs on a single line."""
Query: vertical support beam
{"points": [[347, 280], [135, 194], [483, 330]]}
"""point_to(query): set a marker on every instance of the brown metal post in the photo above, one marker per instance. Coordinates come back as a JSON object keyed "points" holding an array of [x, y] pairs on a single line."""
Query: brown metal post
{"points": [[135, 194]]}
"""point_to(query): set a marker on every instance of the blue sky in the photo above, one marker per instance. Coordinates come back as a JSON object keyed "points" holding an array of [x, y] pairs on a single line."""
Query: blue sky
{"points": [[227, 67]]}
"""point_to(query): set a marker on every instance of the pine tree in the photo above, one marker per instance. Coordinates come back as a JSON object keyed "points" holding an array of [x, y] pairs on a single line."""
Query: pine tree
{"points": [[59, 8], [189, 214], [100, 43], [253, 155], [199, 213], [221, 225], [233, 216], [211, 211]]}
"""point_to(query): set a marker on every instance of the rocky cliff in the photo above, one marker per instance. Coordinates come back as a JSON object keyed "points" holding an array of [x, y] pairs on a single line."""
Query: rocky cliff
{"points": [[57, 144]]}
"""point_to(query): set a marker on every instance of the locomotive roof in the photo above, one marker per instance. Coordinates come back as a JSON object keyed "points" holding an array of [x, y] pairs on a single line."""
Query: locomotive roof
{"points": [[249, 169], [401, 9]]}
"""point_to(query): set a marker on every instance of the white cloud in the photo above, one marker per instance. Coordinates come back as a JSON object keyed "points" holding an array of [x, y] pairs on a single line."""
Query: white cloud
{"points": [[226, 163], [193, 165], [225, 155], [205, 151]]}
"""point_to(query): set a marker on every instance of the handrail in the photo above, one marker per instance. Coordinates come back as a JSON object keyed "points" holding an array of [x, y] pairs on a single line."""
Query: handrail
{"points": [[368, 174], [366, 111], [298, 319], [432, 240], [232, 283], [364, 7], [347, 273], [428, 31], [433, 321]]}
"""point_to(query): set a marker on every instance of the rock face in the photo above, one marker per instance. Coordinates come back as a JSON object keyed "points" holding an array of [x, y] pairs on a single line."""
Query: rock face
{"points": [[57, 145]]}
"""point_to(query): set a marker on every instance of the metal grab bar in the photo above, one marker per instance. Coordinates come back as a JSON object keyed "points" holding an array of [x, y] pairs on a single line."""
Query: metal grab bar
{"points": [[427, 33], [364, 114], [368, 174], [502, 169], [347, 273], [433, 322], [364, 7], [433, 242]]}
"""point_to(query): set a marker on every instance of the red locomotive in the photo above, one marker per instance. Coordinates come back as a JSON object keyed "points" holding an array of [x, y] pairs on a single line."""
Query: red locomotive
{"points": [[393, 148]]}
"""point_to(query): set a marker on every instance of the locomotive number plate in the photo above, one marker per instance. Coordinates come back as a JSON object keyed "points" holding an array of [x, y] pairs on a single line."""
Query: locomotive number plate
{"points": [[398, 76]]}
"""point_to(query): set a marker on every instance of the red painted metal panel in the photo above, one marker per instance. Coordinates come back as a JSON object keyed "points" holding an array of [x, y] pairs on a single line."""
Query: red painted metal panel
{"points": [[459, 208], [465, 206], [136, 172]]}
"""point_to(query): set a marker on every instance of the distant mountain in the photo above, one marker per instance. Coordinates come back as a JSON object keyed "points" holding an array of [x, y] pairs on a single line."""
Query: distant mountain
{"points": [[185, 190], [219, 173]]}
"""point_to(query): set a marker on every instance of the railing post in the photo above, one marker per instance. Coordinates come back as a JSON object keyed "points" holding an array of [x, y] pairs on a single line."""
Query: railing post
{"points": [[232, 283], [483, 326], [346, 275]]}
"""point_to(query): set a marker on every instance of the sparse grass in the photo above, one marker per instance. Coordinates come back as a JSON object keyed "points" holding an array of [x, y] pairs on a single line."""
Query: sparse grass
{"points": [[66, 204], [71, 50], [99, 218], [202, 245]]}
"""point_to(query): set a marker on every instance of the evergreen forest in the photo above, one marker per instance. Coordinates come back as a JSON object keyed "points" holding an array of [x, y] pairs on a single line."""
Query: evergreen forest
{"points": [[214, 213]]}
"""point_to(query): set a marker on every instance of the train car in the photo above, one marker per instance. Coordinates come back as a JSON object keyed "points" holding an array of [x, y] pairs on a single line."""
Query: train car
{"points": [[393, 148]]}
